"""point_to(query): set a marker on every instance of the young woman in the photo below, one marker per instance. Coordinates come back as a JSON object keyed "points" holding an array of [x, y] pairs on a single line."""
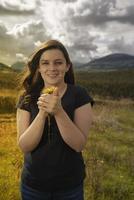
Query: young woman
{"points": [[52, 128]]}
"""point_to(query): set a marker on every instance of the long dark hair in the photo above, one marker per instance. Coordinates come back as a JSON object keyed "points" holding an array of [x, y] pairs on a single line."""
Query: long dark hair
{"points": [[32, 82]]}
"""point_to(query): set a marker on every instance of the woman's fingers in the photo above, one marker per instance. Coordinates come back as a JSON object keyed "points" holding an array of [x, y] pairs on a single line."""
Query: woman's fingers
{"points": [[42, 103], [44, 98], [49, 102]]}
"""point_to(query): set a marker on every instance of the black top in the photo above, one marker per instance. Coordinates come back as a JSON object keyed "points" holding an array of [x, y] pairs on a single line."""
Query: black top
{"points": [[53, 165]]}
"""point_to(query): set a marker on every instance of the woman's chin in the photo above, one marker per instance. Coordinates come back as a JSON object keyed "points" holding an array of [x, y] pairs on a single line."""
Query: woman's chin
{"points": [[53, 82]]}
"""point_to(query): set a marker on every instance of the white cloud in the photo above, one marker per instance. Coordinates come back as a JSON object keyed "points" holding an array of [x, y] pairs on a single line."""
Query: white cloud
{"points": [[21, 57], [3, 29], [28, 28], [17, 6]]}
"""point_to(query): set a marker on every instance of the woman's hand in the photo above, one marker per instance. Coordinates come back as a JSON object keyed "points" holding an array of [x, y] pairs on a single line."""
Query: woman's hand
{"points": [[50, 103]]}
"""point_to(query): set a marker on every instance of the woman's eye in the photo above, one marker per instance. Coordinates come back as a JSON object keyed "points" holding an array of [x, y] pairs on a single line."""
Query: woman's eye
{"points": [[58, 63], [44, 63]]}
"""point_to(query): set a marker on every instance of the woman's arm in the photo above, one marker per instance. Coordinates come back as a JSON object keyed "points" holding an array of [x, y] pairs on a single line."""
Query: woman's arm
{"points": [[29, 135], [75, 133]]}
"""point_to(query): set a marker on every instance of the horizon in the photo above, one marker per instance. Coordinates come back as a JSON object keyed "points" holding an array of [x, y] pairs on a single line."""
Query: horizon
{"points": [[74, 62]]}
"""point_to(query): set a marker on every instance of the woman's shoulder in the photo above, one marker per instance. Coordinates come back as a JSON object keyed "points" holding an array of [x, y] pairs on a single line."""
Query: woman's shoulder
{"points": [[77, 88], [81, 94], [25, 101]]}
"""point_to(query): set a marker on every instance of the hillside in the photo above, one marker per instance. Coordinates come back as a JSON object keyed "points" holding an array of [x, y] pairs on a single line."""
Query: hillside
{"points": [[4, 67], [116, 61], [18, 66]]}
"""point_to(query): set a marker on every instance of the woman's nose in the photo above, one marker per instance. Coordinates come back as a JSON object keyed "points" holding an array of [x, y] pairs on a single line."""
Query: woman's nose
{"points": [[52, 66]]}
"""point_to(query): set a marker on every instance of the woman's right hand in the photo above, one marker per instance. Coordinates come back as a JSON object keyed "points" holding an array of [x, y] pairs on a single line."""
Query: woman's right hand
{"points": [[42, 105]]}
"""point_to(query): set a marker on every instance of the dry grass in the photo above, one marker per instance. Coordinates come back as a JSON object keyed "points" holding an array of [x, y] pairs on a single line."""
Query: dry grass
{"points": [[11, 159]]}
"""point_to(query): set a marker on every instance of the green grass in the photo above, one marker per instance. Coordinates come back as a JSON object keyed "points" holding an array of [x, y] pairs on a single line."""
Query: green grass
{"points": [[109, 153], [108, 84]]}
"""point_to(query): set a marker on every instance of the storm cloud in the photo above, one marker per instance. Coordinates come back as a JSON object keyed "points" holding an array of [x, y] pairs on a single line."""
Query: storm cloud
{"points": [[88, 28]]}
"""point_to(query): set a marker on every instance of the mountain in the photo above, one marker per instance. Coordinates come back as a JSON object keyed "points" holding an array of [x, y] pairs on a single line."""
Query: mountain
{"points": [[4, 67], [117, 61], [110, 62], [18, 66]]}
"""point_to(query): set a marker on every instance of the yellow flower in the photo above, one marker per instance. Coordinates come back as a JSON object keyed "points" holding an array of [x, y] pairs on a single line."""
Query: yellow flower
{"points": [[48, 90]]}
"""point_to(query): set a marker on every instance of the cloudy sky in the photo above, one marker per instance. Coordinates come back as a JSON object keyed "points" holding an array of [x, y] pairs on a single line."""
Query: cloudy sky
{"points": [[88, 28]]}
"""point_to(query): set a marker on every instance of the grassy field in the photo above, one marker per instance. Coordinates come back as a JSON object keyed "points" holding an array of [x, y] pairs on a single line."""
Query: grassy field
{"points": [[108, 154], [108, 84]]}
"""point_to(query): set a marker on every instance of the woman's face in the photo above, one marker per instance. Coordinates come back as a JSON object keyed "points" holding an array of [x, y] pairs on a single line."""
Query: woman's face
{"points": [[53, 66]]}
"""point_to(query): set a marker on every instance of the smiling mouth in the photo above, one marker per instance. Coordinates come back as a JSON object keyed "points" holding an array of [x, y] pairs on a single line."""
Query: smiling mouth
{"points": [[53, 75]]}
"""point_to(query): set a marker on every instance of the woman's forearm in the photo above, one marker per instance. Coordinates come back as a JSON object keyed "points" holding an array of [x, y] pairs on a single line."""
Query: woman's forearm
{"points": [[32, 136], [70, 133]]}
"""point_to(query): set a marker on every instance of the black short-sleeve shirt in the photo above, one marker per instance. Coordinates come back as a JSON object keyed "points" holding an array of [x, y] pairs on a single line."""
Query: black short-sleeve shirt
{"points": [[53, 165]]}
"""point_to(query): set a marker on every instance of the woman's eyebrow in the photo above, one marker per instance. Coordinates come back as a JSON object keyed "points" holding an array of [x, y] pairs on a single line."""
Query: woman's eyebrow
{"points": [[58, 59], [43, 59]]}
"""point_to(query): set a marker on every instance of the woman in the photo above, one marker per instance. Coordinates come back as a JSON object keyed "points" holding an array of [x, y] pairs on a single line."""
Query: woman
{"points": [[52, 128]]}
